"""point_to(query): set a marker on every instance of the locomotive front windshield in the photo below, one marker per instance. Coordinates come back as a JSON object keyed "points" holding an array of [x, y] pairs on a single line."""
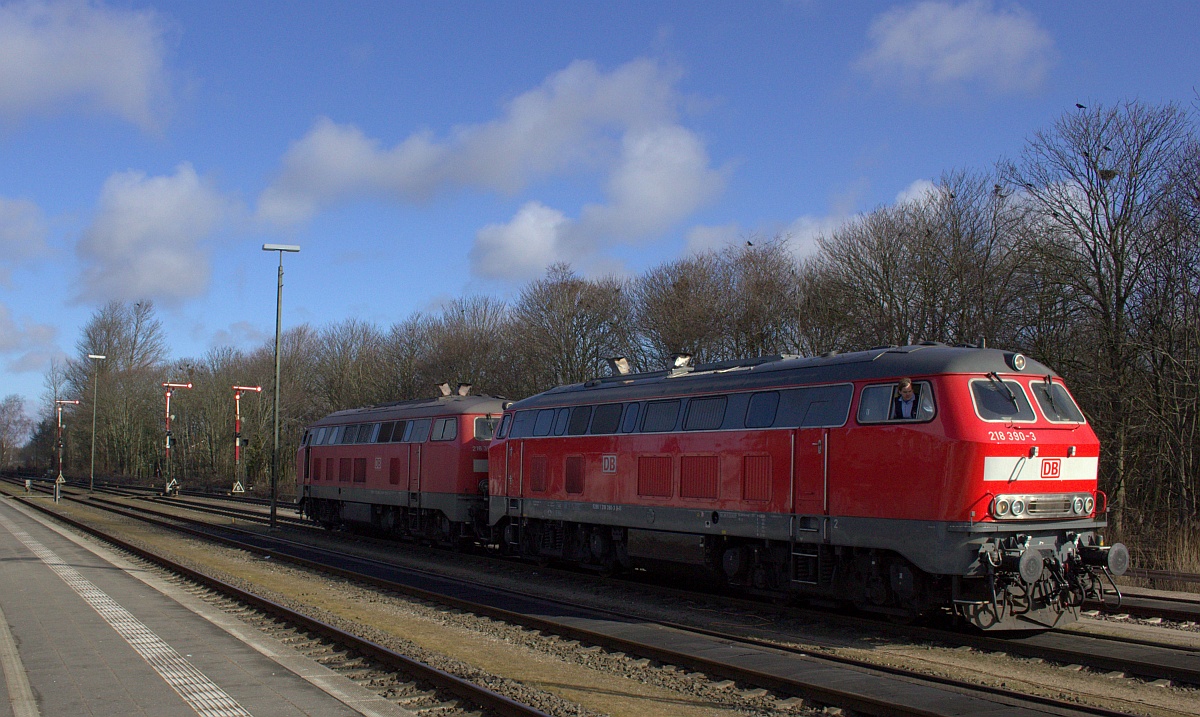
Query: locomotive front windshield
{"points": [[1001, 400], [485, 428], [1056, 403]]}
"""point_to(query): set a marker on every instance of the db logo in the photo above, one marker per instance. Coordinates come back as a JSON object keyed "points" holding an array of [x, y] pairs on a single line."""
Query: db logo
{"points": [[608, 464], [1051, 467]]}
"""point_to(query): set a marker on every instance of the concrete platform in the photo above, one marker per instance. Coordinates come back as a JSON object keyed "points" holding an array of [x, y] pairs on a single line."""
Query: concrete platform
{"points": [[83, 632]]}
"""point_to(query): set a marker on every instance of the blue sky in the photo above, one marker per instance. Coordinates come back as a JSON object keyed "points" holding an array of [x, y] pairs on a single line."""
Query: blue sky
{"points": [[423, 151]]}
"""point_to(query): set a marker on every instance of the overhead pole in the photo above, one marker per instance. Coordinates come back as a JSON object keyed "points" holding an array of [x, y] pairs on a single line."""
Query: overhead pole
{"points": [[281, 248]]}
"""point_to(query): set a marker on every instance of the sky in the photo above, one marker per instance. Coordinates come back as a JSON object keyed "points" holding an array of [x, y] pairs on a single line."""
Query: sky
{"points": [[419, 152]]}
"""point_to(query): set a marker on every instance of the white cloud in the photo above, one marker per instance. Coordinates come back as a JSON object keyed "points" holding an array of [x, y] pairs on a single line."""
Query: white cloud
{"points": [[523, 247], [943, 45], [146, 241], [53, 53], [621, 125], [701, 239], [571, 122], [804, 231], [239, 334], [30, 345], [661, 177], [915, 192]]}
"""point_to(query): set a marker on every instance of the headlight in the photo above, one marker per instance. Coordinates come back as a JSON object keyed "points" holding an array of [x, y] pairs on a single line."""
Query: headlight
{"points": [[1077, 506], [1002, 507], [1089, 503], [1018, 506]]}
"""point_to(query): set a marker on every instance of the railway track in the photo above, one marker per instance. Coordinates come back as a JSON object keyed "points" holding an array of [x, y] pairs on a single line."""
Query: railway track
{"points": [[761, 663], [346, 652]]}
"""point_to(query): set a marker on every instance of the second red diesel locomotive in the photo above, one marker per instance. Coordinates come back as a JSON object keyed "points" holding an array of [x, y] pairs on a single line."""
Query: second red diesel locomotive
{"points": [[792, 475]]}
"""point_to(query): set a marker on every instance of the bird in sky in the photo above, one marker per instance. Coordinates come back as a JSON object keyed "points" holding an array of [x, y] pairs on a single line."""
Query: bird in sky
{"points": [[1082, 107]]}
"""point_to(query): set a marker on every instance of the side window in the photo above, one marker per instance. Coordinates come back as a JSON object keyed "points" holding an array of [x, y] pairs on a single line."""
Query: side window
{"points": [[705, 414], [560, 421], [385, 432], [829, 406], [660, 416], [629, 425], [522, 426], [504, 424], [444, 429], [335, 436], [1002, 400], [419, 431], [399, 431], [607, 418], [320, 436], [760, 413], [880, 403], [372, 434], [485, 428], [544, 422], [580, 416]]}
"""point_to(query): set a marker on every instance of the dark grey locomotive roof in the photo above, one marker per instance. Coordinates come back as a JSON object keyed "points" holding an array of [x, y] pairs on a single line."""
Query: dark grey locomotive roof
{"points": [[787, 371], [418, 408]]}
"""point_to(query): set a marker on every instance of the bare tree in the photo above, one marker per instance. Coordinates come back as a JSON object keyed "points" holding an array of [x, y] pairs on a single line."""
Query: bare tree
{"points": [[15, 429], [564, 328], [1097, 179]]}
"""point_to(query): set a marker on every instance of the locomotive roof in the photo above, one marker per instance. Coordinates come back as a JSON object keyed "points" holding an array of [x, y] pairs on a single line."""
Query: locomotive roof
{"points": [[788, 371], [418, 408]]}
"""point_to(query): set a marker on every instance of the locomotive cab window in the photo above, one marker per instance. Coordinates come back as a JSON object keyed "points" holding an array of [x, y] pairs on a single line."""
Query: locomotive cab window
{"points": [[879, 404], [399, 431], [1056, 404], [445, 429], [418, 431], [544, 422], [320, 436], [385, 432], [485, 428], [522, 425], [760, 412], [504, 424], [1000, 400]]}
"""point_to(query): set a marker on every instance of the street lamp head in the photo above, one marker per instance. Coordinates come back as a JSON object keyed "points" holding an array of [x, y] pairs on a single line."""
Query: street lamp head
{"points": [[99, 357], [281, 247]]}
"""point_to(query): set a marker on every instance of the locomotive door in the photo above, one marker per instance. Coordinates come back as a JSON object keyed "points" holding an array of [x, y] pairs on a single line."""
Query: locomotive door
{"points": [[811, 451], [512, 469], [414, 467]]}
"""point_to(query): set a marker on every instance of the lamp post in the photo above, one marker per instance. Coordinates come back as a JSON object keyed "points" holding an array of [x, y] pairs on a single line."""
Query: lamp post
{"points": [[237, 432], [58, 406], [95, 393], [167, 454], [281, 248]]}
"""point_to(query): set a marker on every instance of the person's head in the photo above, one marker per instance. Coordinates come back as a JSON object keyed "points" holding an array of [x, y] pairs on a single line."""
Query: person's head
{"points": [[905, 388]]}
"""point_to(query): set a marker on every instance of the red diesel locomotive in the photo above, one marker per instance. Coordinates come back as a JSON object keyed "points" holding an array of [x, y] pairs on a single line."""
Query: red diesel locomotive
{"points": [[790, 475], [415, 468]]}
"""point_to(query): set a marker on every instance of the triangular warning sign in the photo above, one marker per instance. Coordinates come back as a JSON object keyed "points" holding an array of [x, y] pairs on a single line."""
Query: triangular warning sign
{"points": [[237, 487]]}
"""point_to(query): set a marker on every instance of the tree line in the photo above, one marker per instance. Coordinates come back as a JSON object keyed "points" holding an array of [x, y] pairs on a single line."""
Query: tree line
{"points": [[1083, 252]]}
